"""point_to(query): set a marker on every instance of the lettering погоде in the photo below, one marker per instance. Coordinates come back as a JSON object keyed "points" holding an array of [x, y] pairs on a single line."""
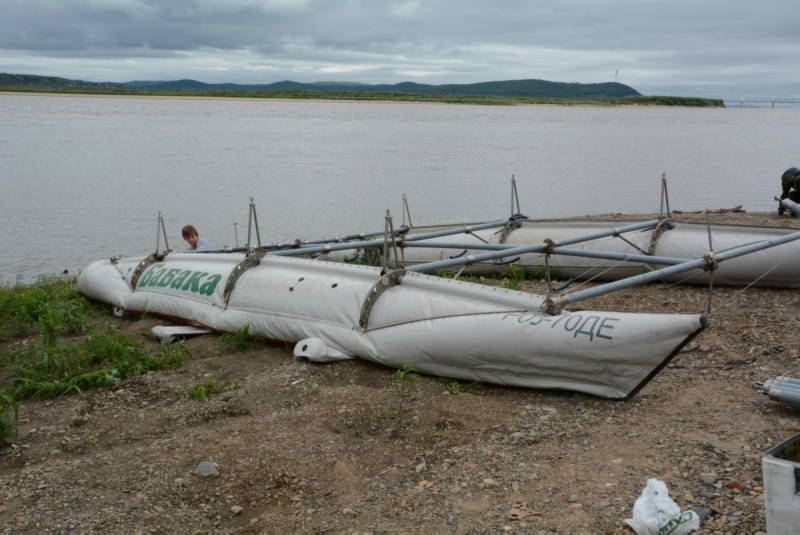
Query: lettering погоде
{"points": [[592, 326]]}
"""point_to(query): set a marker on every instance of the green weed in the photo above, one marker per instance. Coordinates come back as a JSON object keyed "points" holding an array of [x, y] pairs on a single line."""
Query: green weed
{"points": [[202, 391], [456, 388], [403, 378], [62, 367], [241, 340], [88, 437], [50, 306], [9, 414]]}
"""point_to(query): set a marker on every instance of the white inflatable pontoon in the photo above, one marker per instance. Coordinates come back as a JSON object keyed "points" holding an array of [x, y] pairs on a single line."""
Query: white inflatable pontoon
{"points": [[440, 326], [776, 267]]}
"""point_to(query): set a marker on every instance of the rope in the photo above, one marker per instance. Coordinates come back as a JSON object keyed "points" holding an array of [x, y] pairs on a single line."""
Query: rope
{"points": [[609, 268], [738, 292]]}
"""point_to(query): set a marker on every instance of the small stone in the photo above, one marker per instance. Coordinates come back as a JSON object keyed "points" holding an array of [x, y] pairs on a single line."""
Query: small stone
{"points": [[688, 498], [572, 498], [207, 469], [180, 482], [709, 481], [705, 493], [490, 482], [236, 509], [420, 467], [515, 486]]}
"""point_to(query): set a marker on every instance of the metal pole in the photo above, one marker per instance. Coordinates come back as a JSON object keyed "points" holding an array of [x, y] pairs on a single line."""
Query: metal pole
{"points": [[158, 232], [665, 194], [734, 252], [249, 223], [255, 221], [236, 234], [406, 212], [325, 248], [434, 266], [563, 251], [386, 243], [164, 230]]}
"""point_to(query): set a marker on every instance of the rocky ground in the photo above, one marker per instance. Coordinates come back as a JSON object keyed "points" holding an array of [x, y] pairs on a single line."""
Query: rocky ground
{"points": [[293, 447]]}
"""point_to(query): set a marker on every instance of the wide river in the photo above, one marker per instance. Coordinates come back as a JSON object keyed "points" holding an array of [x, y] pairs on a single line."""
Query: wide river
{"points": [[85, 177]]}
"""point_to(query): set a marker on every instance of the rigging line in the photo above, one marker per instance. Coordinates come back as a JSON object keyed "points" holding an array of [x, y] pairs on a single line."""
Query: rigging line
{"points": [[629, 242], [737, 294], [680, 281], [609, 268], [473, 234]]}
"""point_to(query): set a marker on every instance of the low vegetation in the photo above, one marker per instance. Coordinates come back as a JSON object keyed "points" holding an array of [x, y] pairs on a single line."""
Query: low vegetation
{"points": [[512, 277], [202, 391], [51, 307], [239, 341], [49, 363], [394, 96]]}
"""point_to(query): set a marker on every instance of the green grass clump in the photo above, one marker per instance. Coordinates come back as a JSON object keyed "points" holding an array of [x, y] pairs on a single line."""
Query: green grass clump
{"points": [[48, 370], [455, 387], [50, 306], [202, 391], [512, 277], [9, 414], [241, 340]]}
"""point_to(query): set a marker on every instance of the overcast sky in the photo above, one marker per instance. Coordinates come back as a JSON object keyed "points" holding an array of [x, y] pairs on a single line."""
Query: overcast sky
{"points": [[718, 48]]}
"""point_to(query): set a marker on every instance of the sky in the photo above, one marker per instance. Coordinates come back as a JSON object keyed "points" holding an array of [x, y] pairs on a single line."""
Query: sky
{"points": [[708, 48]]}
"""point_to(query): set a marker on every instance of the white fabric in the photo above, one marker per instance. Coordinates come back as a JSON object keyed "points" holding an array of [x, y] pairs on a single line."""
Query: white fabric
{"points": [[440, 326]]}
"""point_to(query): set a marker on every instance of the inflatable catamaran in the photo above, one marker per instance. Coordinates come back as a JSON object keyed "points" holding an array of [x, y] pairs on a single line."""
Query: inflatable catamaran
{"points": [[402, 316]]}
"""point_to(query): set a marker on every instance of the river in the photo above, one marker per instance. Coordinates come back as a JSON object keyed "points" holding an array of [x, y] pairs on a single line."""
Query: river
{"points": [[84, 177]]}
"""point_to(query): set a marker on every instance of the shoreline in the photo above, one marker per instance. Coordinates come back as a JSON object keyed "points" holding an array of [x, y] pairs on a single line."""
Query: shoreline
{"points": [[478, 100]]}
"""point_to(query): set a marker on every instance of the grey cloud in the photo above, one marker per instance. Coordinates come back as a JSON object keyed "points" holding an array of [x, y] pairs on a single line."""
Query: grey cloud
{"points": [[650, 42]]}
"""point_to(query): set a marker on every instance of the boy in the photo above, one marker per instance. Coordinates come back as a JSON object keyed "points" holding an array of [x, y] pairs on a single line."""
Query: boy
{"points": [[196, 243]]}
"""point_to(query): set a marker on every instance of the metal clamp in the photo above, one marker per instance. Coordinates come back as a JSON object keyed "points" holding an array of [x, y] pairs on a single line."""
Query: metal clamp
{"points": [[712, 263], [250, 261], [393, 278], [144, 264]]}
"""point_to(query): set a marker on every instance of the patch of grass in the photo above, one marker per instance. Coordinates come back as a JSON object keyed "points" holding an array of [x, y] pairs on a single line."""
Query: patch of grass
{"points": [[380, 414], [456, 388], [202, 391], [49, 370], [239, 341], [511, 278], [50, 306], [88, 437], [402, 381], [9, 414]]}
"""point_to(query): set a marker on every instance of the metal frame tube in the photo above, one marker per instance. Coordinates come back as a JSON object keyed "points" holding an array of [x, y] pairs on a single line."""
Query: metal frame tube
{"points": [[513, 251], [327, 248], [564, 251], [734, 252]]}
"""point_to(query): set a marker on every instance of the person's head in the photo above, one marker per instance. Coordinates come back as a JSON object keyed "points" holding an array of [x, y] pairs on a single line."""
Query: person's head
{"points": [[189, 234]]}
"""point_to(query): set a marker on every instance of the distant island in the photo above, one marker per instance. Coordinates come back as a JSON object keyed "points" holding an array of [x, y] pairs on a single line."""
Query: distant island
{"points": [[506, 92]]}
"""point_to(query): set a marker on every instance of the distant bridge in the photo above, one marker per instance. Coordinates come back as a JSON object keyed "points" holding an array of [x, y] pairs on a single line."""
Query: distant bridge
{"points": [[741, 101]]}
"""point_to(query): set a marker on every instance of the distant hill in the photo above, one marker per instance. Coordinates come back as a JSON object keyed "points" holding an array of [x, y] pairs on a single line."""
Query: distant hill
{"points": [[507, 88]]}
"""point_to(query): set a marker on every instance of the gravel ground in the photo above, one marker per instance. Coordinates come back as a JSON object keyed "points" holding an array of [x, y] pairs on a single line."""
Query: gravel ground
{"points": [[294, 447]]}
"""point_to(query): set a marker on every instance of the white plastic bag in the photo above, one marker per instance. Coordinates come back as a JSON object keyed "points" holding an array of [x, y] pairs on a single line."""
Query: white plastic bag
{"points": [[654, 513]]}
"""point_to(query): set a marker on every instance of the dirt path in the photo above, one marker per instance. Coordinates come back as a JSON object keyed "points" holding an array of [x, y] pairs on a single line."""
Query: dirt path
{"points": [[304, 448]]}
